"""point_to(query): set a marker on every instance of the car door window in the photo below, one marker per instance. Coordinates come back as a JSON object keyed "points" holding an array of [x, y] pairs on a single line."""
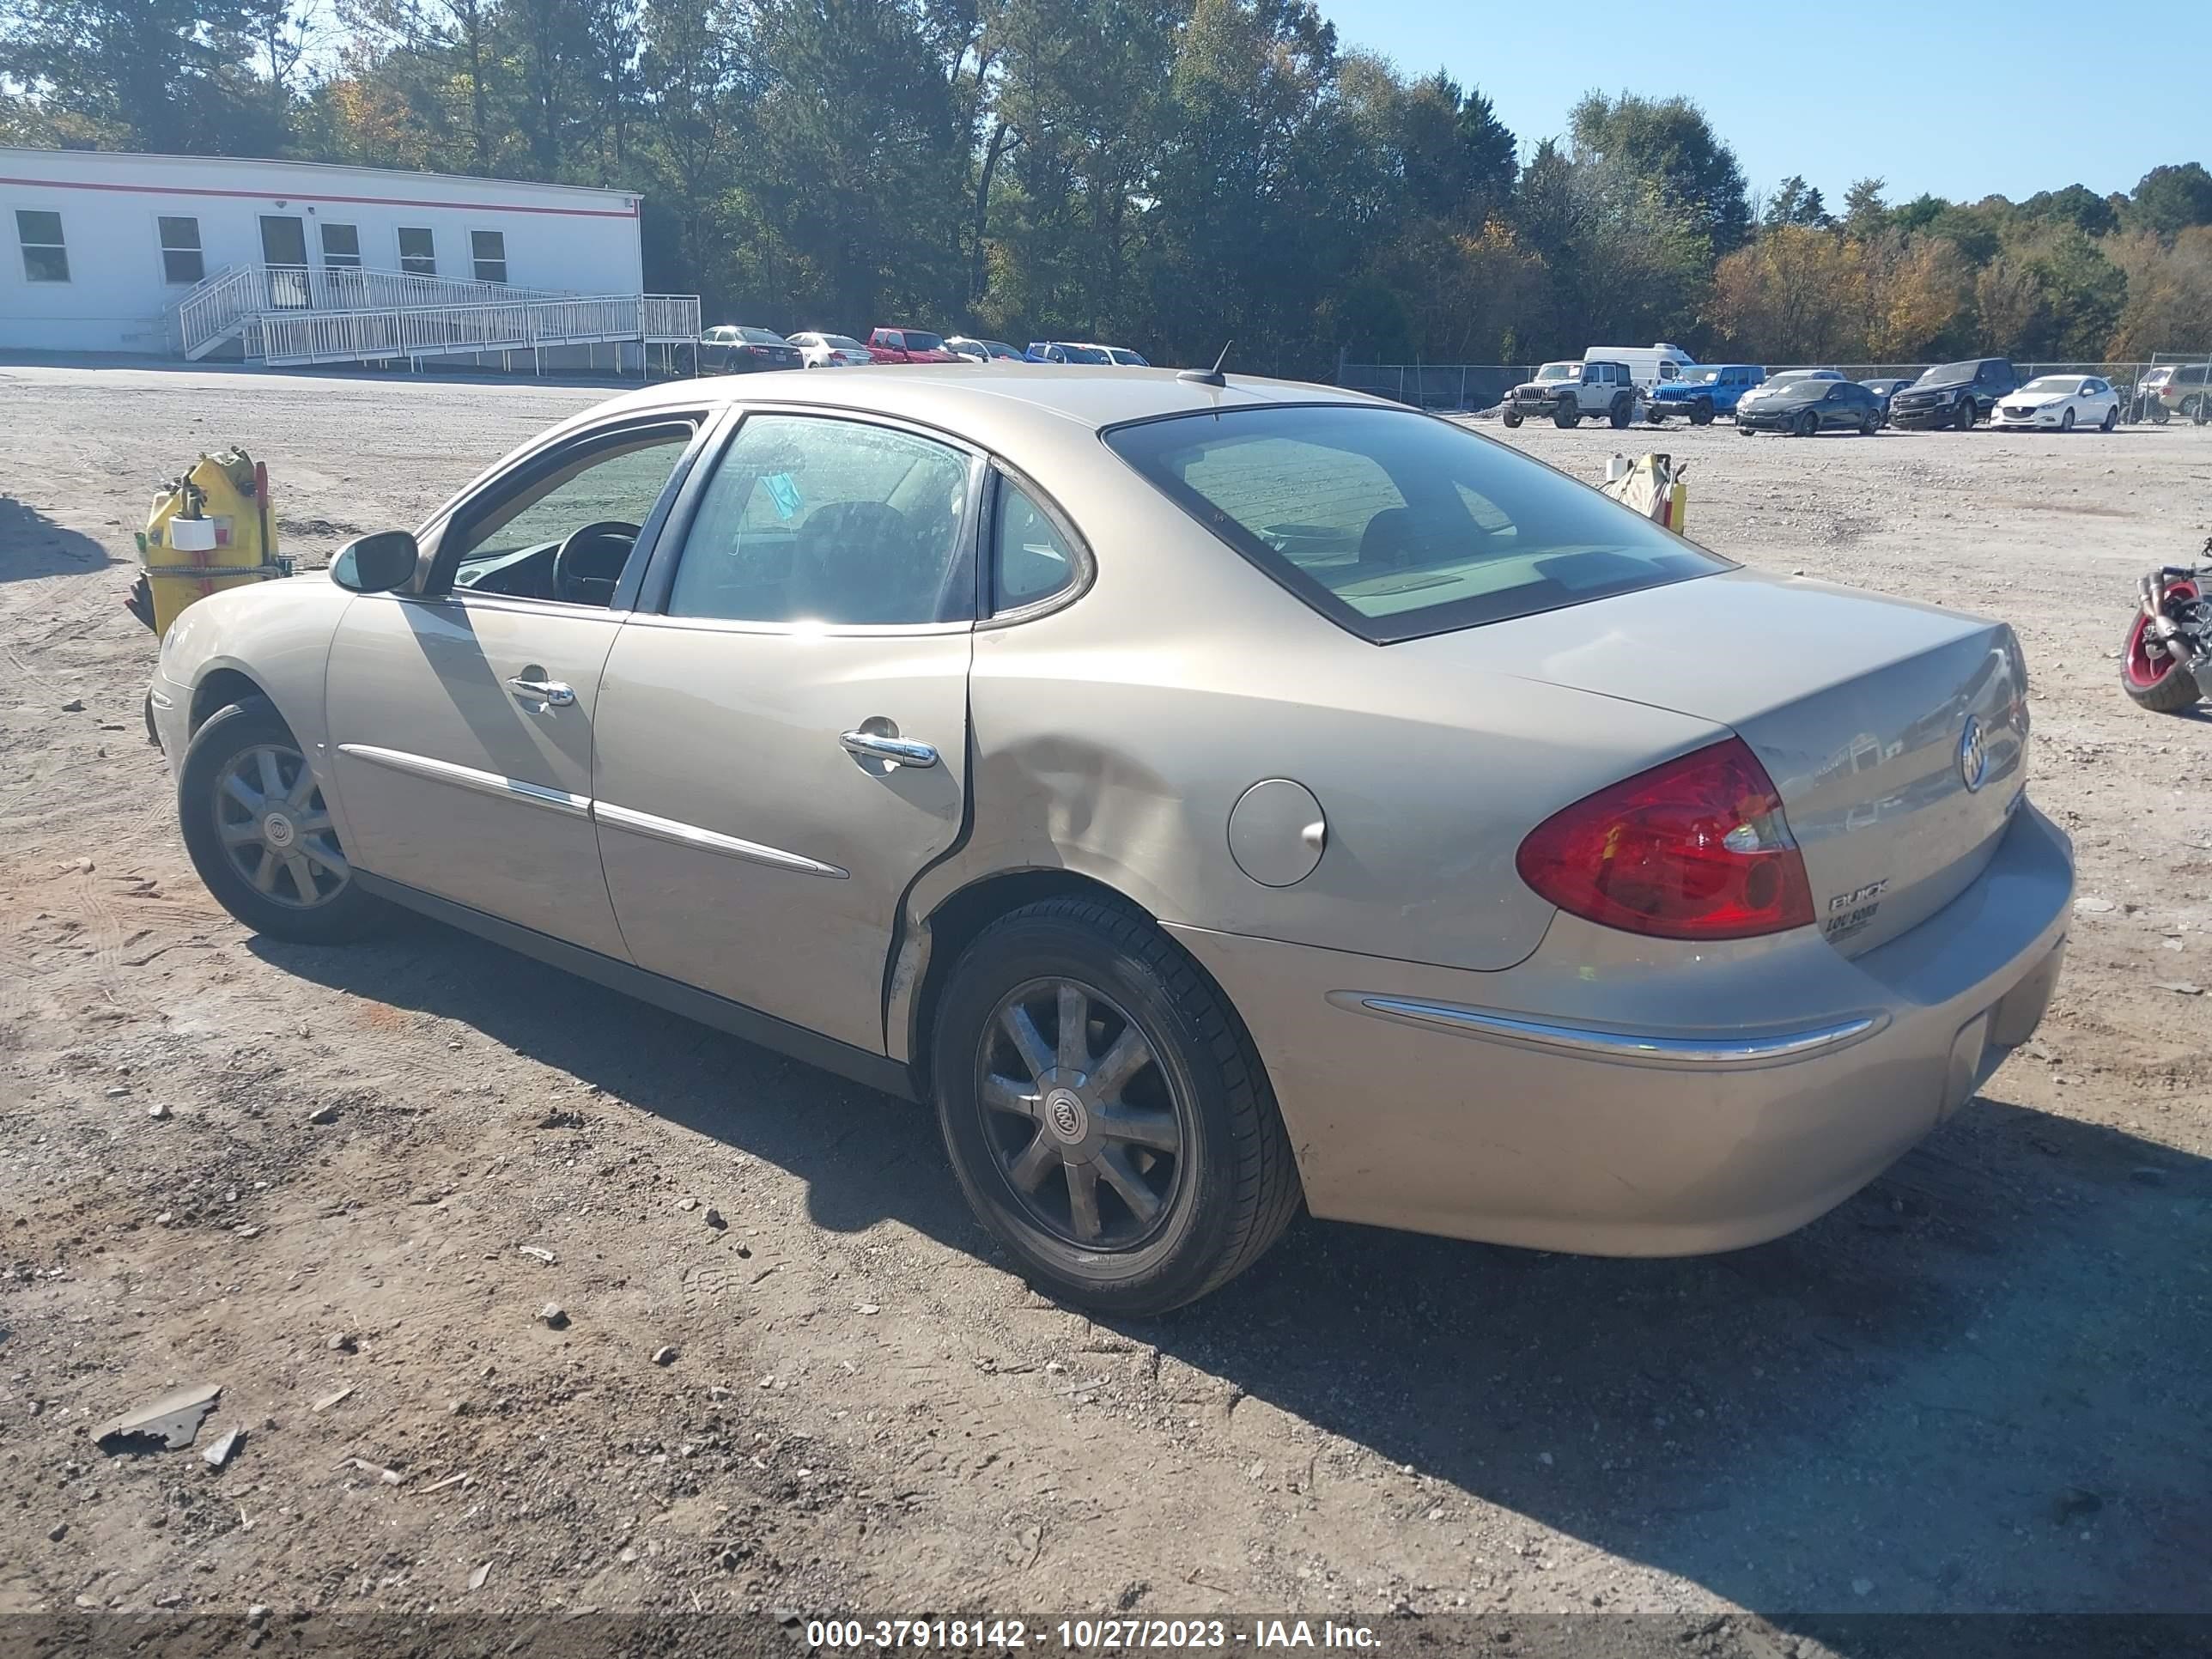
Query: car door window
{"points": [[1030, 560], [809, 519], [507, 541]]}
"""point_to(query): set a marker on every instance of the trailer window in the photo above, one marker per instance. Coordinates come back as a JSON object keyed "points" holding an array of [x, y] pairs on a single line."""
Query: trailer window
{"points": [[181, 260], [488, 248], [46, 257], [418, 252], [340, 247]]}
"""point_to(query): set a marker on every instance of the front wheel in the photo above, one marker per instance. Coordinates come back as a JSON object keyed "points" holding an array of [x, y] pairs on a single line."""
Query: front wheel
{"points": [[1701, 414], [1566, 419], [1963, 417], [2157, 410], [260, 833], [1743, 431], [1655, 416], [1808, 425], [2066, 420], [1105, 1112], [1511, 417]]}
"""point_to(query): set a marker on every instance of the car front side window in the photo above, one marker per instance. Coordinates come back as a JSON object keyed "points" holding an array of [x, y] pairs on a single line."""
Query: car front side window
{"points": [[809, 519]]}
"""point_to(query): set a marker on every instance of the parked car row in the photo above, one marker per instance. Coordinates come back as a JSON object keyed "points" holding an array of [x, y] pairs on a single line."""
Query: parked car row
{"points": [[1620, 383], [738, 349]]}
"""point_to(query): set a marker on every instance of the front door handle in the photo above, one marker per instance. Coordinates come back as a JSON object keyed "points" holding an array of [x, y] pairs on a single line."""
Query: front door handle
{"points": [[894, 751], [552, 693]]}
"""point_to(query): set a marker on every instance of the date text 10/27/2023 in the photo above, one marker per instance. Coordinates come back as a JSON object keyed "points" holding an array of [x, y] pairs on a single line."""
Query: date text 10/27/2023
{"points": [[1106, 1635]]}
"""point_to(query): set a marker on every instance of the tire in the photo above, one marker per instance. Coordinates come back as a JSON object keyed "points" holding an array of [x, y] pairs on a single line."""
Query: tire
{"points": [[1230, 1183], [2066, 420], [1701, 414], [1623, 411], [1870, 425], [2112, 419], [1511, 417], [2160, 415], [240, 735], [1742, 431], [1808, 426], [1566, 419], [1655, 416], [2168, 691], [1963, 415]]}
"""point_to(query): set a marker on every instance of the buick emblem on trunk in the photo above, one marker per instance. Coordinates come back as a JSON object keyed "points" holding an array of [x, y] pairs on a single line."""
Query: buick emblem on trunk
{"points": [[1973, 758]]}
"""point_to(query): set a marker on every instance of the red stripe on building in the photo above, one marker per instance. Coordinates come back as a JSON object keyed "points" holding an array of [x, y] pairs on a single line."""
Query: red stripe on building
{"points": [[297, 196]]}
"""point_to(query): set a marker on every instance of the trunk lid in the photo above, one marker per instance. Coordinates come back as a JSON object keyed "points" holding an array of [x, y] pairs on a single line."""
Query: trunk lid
{"points": [[1857, 705]]}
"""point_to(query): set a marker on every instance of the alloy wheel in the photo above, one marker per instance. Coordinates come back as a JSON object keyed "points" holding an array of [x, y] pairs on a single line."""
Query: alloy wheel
{"points": [[275, 830], [1086, 1126]]}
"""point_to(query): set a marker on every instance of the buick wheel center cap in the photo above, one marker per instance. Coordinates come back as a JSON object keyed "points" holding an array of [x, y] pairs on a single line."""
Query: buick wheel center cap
{"points": [[1065, 1116], [277, 831]]}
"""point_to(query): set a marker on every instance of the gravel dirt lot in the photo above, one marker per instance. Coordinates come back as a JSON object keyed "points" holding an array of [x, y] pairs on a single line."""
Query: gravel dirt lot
{"points": [[1982, 1385]]}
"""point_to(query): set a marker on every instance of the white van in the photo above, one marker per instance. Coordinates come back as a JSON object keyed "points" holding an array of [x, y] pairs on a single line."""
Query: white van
{"points": [[1648, 364]]}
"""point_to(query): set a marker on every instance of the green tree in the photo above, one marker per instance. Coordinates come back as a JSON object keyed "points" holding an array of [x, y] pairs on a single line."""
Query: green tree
{"points": [[1668, 143], [2171, 199]]}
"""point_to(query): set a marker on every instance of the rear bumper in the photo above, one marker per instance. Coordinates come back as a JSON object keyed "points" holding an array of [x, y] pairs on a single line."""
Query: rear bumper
{"points": [[1615, 1096]]}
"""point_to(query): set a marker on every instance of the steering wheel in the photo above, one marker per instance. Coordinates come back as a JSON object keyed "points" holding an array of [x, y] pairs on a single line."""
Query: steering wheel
{"points": [[575, 582]]}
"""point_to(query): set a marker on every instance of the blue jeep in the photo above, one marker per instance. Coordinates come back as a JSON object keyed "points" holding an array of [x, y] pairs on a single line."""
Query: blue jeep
{"points": [[1707, 390]]}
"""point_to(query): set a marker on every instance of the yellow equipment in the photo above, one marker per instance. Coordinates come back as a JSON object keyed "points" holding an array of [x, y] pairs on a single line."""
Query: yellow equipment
{"points": [[209, 530], [1652, 485]]}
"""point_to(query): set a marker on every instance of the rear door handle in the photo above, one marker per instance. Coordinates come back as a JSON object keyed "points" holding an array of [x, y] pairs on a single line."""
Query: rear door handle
{"points": [[552, 693], [895, 752]]}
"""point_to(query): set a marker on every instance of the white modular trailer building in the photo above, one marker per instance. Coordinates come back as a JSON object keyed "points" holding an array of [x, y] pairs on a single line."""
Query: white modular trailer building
{"points": [[287, 262]]}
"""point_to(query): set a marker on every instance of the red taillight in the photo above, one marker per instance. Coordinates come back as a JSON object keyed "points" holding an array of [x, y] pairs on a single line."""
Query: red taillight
{"points": [[1697, 848]]}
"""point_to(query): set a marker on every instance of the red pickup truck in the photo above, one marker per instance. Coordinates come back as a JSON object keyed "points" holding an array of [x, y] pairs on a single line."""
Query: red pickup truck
{"points": [[909, 345]]}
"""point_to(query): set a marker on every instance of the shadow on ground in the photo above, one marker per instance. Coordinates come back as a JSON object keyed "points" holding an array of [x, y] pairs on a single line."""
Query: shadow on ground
{"points": [[1980, 1385], [33, 545]]}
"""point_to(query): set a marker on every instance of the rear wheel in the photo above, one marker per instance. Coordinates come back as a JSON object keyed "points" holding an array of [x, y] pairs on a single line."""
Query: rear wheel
{"points": [[1621, 413], [2159, 684], [2157, 410], [2112, 419], [1105, 1112], [1870, 425], [260, 835]]}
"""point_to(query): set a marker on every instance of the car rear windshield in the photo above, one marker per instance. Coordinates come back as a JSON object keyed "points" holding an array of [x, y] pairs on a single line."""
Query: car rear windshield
{"points": [[1395, 525], [1949, 373], [762, 337]]}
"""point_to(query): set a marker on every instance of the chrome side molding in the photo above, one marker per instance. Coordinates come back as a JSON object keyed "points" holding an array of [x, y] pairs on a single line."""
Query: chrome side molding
{"points": [[468, 777], [711, 840], [1632, 1048]]}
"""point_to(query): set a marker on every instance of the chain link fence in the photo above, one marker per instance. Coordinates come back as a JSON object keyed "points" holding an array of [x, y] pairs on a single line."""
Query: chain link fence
{"points": [[2183, 390]]}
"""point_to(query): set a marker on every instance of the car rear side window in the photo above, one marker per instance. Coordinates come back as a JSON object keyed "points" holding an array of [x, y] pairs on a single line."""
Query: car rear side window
{"points": [[1030, 560], [808, 519], [1396, 525]]}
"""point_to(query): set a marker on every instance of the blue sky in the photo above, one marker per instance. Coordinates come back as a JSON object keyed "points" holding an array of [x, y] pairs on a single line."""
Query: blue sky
{"points": [[1963, 97]]}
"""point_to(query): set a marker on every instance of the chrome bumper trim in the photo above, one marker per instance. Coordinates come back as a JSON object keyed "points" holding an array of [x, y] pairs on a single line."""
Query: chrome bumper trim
{"points": [[467, 777], [1634, 1048]]}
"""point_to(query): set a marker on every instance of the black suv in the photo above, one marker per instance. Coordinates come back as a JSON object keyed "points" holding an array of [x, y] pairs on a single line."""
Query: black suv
{"points": [[1954, 394]]}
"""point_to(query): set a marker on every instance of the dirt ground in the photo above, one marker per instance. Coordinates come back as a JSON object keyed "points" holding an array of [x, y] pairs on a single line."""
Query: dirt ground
{"points": [[1981, 1386]]}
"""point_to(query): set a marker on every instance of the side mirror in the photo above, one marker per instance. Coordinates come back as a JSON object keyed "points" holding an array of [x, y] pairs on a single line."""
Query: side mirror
{"points": [[376, 563]]}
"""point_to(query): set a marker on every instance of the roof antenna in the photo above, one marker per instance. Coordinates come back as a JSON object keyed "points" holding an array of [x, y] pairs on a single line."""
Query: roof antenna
{"points": [[1208, 376]]}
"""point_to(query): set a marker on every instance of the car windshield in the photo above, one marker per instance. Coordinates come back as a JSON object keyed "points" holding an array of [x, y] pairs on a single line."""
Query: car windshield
{"points": [[2054, 383], [1559, 371], [761, 337], [1949, 373], [1077, 354], [1395, 525], [1788, 374], [1702, 376], [1000, 348], [916, 341]]}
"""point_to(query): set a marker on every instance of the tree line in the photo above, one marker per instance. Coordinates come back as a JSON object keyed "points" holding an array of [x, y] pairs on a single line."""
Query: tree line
{"points": [[1169, 173]]}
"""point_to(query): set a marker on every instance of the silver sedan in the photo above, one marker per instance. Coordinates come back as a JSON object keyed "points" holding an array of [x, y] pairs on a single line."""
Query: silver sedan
{"points": [[1213, 796]]}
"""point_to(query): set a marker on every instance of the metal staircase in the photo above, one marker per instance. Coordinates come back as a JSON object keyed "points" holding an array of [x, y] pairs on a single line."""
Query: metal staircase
{"points": [[287, 316]]}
